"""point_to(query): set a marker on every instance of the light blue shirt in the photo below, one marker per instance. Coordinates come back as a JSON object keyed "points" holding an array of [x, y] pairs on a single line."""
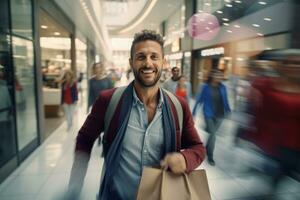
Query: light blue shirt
{"points": [[143, 145]]}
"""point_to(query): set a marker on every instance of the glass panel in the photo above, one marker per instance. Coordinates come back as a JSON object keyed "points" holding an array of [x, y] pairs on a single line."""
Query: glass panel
{"points": [[7, 139], [4, 25], [21, 16], [25, 91]]}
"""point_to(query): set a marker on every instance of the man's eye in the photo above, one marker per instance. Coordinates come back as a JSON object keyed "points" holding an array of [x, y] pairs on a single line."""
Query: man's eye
{"points": [[140, 57]]}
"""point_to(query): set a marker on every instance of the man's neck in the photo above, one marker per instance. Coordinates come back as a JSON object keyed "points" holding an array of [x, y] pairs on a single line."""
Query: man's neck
{"points": [[174, 79], [100, 76], [148, 95]]}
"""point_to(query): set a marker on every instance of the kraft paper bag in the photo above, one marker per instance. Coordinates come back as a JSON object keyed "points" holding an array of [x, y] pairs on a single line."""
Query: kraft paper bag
{"points": [[158, 184]]}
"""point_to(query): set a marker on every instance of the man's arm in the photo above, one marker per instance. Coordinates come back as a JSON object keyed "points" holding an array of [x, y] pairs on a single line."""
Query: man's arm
{"points": [[86, 137], [94, 124], [192, 151], [199, 100]]}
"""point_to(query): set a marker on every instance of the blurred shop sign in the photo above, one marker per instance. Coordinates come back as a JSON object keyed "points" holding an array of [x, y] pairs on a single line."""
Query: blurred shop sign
{"points": [[175, 45], [175, 56], [213, 51]]}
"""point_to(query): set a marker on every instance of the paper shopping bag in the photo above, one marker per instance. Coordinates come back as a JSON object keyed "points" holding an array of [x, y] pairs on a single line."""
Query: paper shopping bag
{"points": [[157, 184]]}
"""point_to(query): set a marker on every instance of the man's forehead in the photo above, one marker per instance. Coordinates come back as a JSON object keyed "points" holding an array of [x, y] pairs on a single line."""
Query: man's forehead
{"points": [[147, 46]]}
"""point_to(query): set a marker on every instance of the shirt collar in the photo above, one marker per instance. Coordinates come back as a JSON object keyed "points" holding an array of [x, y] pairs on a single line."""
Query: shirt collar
{"points": [[136, 99]]}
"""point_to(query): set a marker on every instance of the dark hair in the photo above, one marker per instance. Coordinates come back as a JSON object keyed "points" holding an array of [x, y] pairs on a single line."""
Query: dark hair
{"points": [[174, 68], [146, 35]]}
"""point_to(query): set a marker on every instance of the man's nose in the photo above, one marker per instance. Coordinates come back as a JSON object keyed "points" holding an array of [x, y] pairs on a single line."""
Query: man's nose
{"points": [[148, 62]]}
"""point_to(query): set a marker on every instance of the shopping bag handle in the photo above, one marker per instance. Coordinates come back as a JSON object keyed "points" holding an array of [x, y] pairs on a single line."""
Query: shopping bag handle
{"points": [[163, 185]]}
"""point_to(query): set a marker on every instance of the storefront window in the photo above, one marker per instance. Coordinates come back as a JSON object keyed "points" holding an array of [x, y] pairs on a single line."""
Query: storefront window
{"points": [[21, 12], [175, 25], [7, 139], [23, 58]]}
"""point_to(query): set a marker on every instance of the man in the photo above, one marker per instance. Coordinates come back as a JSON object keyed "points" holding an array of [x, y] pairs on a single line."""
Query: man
{"points": [[99, 82], [144, 129], [213, 96], [171, 83]]}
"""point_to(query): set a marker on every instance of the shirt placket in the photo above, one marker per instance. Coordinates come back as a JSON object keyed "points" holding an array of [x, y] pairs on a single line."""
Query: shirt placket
{"points": [[145, 150]]}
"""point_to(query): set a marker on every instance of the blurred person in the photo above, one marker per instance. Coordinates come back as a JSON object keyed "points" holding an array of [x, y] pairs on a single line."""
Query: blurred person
{"points": [[114, 75], [277, 116], [99, 82], [69, 96], [143, 116], [182, 89], [171, 83], [213, 96]]}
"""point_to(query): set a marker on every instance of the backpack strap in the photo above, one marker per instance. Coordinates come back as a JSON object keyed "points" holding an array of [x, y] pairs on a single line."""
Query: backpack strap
{"points": [[109, 114], [112, 107], [178, 108]]}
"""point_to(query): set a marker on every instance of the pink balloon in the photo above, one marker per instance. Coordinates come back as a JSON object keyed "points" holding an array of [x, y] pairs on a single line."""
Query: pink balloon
{"points": [[203, 26]]}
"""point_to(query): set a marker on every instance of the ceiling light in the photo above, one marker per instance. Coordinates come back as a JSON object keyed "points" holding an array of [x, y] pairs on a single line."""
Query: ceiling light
{"points": [[260, 34], [44, 26], [56, 33], [238, 1], [267, 19], [228, 1], [219, 11], [240, 59], [207, 4], [229, 31], [225, 19], [237, 26], [262, 3], [200, 11], [210, 23], [225, 24], [256, 25], [228, 5]]}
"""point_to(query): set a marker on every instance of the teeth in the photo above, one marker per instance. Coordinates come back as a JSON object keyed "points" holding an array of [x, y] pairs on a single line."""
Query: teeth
{"points": [[147, 71]]}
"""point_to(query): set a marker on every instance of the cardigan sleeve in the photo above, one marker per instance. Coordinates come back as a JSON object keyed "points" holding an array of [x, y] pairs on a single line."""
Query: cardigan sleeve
{"points": [[191, 145], [94, 123]]}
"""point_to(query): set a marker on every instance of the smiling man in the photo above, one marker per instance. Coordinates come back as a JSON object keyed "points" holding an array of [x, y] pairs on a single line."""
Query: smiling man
{"points": [[144, 130]]}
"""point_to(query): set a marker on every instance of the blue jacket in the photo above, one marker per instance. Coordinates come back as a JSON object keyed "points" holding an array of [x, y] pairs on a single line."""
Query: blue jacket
{"points": [[205, 98]]}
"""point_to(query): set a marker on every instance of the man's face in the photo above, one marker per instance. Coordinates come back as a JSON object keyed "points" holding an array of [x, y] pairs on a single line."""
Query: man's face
{"points": [[175, 73], [99, 69], [218, 77], [147, 63]]}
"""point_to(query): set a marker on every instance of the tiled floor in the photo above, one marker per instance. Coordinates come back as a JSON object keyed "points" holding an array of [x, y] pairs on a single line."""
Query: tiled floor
{"points": [[45, 174]]}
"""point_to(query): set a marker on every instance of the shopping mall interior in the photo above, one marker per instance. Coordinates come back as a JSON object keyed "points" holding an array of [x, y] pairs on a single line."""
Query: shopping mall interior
{"points": [[253, 44]]}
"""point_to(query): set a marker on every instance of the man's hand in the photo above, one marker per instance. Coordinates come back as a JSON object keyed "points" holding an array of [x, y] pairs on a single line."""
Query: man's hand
{"points": [[175, 162]]}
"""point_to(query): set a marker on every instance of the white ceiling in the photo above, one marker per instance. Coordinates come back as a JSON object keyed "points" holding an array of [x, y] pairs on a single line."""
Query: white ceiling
{"points": [[160, 12]]}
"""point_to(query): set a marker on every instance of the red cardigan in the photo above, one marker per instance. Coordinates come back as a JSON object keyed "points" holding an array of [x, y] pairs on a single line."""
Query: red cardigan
{"points": [[190, 145]]}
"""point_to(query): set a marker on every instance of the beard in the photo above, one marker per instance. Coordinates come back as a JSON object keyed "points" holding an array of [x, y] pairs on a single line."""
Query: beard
{"points": [[143, 83]]}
